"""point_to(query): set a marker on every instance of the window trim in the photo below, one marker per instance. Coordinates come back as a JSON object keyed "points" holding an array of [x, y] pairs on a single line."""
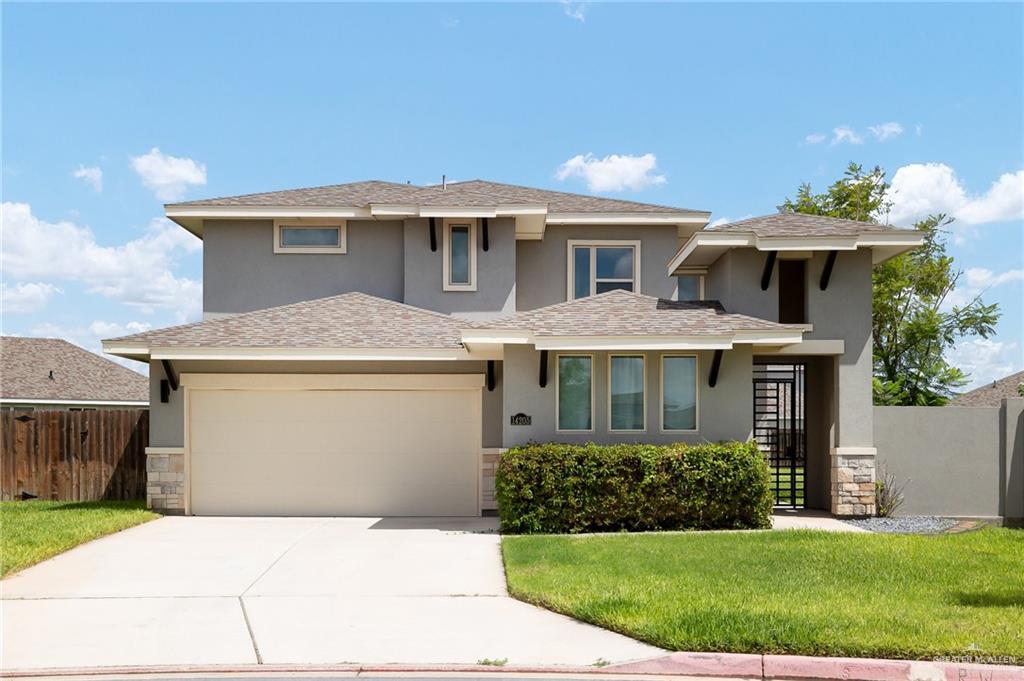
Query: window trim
{"points": [[696, 393], [643, 358], [446, 267], [558, 387], [593, 244], [311, 223]]}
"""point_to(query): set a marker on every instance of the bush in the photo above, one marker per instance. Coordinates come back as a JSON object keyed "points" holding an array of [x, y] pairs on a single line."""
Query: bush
{"points": [[558, 488]]}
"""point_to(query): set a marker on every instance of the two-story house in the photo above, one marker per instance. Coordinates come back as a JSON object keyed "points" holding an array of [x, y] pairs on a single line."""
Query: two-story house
{"points": [[370, 348]]}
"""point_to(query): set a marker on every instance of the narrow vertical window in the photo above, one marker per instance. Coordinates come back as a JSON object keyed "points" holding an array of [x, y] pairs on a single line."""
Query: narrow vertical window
{"points": [[679, 392], [581, 272], [626, 392], [459, 256], [575, 392]]}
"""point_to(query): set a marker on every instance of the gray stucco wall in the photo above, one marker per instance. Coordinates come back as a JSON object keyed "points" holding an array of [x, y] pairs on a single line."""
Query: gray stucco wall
{"points": [[242, 273], [725, 411], [958, 461], [541, 266], [841, 312], [496, 271], [167, 421]]}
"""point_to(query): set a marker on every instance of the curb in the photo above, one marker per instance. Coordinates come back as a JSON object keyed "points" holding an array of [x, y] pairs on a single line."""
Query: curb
{"points": [[711, 665]]}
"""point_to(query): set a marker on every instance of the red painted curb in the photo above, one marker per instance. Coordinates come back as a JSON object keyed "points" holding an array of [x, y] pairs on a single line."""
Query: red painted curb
{"points": [[695, 664], [730, 665]]}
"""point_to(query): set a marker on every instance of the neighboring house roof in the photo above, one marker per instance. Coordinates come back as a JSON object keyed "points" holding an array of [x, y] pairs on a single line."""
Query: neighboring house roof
{"points": [[624, 313], [802, 224], [991, 395], [78, 375], [468, 193], [349, 320]]}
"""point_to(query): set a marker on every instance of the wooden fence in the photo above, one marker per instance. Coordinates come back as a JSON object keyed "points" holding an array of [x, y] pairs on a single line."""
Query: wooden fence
{"points": [[73, 455]]}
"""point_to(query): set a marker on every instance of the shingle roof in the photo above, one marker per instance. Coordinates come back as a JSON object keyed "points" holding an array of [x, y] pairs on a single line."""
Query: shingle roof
{"points": [[623, 313], [349, 320], [469, 193], [991, 395], [802, 224], [26, 363]]}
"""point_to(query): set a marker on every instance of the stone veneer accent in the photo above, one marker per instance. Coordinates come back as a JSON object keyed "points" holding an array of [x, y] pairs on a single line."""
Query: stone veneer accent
{"points": [[165, 480], [488, 470], [853, 481]]}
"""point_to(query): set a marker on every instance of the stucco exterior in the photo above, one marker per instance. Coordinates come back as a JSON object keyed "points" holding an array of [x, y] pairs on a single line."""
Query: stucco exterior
{"points": [[242, 273], [841, 312], [495, 292], [958, 461], [724, 412], [542, 266]]}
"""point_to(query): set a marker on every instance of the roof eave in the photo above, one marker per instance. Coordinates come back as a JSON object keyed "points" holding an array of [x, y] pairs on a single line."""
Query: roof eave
{"points": [[704, 248]]}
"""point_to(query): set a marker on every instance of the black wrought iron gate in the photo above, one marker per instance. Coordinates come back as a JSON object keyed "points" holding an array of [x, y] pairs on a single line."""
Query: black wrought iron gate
{"points": [[779, 427]]}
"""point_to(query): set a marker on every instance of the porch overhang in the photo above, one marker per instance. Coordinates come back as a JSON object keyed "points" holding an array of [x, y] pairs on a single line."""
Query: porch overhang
{"points": [[477, 339], [704, 248], [145, 353]]}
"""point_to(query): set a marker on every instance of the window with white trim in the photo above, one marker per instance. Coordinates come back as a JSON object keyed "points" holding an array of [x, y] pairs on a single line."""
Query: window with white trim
{"points": [[627, 387], [575, 393], [602, 266], [459, 255], [679, 393], [690, 287], [310, 236]]}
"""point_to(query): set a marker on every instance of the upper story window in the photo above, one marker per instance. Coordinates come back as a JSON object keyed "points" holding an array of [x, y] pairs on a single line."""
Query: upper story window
{"points": [[792, 292], [310, 236], [690, 287], [602, 266], [459, 255]]}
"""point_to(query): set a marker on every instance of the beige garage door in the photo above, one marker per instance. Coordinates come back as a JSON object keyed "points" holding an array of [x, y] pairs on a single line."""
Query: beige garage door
{"points": [[335, 452]]}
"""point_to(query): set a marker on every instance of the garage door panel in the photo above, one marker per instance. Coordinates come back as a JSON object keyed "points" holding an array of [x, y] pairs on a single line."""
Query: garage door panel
{"points": [[357, 452]]}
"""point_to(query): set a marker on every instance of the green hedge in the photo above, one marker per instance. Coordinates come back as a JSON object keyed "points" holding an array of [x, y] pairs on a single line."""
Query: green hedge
{"points": [[558, 488]]}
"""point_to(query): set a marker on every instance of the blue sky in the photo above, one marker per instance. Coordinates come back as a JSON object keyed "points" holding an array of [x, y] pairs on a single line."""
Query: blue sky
{"points": [[724, 107]]}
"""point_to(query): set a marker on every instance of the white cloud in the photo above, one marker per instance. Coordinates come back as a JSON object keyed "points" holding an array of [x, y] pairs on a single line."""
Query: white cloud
{"points": [[845, 133], [612, 173], [138, 273], [90, 338], [92, 175], [985, 359], [25, 297], [922, 189], [976, 281], [575, 10], [886, 131], [815, 138], [168, 176], [724, 220]]}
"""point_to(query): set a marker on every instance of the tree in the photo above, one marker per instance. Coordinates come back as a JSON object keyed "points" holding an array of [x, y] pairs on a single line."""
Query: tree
{"points": [[911, 323]]}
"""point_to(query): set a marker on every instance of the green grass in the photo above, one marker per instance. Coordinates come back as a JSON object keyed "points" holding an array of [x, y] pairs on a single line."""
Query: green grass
{"points": [[32, 531], [798, 592]]}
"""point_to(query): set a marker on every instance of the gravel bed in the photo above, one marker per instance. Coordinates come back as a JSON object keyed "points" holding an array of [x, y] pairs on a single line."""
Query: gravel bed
{"points": [[911, 524]]}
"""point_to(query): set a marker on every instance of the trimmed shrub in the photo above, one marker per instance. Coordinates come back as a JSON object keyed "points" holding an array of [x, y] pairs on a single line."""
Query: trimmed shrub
{"points": [[559, 488]]}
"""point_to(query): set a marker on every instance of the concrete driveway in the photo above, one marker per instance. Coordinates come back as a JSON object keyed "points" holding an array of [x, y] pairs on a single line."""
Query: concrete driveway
{"points": [[187, 591]]}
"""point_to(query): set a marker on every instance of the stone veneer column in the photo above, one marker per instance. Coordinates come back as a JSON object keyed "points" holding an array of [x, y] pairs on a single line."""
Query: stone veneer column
{"points": [[488, 471], [853, 481], [165, 480]]}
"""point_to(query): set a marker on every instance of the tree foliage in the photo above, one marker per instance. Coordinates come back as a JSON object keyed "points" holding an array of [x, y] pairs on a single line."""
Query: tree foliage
{"points": [[912, 324]]}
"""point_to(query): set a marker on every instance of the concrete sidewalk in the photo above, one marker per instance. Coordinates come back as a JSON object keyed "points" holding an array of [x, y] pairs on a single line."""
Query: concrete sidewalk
{"points": [[241, 591]]}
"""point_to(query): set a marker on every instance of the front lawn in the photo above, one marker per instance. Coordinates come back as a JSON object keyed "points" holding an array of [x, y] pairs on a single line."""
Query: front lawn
{"points": [[32, 531], [798, 592]]}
